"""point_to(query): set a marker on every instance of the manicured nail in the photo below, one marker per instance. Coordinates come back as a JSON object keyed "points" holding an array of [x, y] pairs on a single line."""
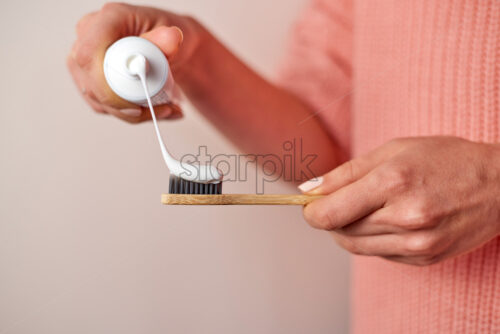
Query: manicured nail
{"points": [[165, 113], [311, 184], [131, 112], [175, 115], [180, 32]]}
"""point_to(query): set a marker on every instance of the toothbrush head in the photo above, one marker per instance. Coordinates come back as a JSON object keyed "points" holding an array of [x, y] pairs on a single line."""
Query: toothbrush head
{"points": [[178, 185]]}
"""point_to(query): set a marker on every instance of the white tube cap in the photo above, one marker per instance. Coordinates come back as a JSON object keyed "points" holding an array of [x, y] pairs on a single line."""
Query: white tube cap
{"points": [[124, 83]]}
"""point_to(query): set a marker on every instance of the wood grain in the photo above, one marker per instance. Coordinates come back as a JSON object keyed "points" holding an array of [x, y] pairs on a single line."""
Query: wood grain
{"points": [[237, 199]]}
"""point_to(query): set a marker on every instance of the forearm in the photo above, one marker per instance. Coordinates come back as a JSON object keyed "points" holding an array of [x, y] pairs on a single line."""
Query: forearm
{"points": [[253, 113]]}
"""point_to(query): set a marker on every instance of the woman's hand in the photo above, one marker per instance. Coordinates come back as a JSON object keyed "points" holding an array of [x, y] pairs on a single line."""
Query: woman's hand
{"points": [[97, 31], [415, 200]]}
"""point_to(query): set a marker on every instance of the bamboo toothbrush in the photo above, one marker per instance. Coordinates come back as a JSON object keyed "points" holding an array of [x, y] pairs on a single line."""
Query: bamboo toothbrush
{"points": [[237, 199]]}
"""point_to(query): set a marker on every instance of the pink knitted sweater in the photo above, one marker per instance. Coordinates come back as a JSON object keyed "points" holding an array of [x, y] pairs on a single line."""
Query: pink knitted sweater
{"points": [[376, 70]]}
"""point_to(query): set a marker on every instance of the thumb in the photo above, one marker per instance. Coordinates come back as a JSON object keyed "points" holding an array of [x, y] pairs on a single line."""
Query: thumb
{"points": [[168, 39]]}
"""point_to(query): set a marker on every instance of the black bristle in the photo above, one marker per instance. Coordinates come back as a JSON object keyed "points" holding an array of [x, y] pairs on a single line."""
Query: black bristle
{"points": [[178, 185]]}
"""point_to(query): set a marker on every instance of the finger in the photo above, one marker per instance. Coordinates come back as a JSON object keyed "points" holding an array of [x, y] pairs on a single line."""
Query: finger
{"points": [[415, 260], [84, 23], [426, 247], [176, 112], [382, 221], [100, 31], [111, 23], [131, 115], [377, 245], [141, 114], [165, 111], [168, 39], [443, 250], [350, 171], [76, 73], [81, 83], [92, 102], [428, 244], [346, 205], [94, 81]]}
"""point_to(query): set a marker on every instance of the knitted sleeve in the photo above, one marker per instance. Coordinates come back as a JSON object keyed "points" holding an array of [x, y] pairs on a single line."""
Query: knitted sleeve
{"points": [[317, 65]]}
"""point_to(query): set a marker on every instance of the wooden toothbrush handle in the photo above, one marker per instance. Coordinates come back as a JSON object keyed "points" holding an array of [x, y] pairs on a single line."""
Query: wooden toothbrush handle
{"points": [[237, 199]]}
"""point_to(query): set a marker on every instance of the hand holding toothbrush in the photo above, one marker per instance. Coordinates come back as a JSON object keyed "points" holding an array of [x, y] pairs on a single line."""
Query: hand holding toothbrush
{"points": [[413, 200]]}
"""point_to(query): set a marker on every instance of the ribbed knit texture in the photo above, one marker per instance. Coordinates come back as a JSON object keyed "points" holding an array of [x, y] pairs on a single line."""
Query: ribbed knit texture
{"points": [[376, 70]]}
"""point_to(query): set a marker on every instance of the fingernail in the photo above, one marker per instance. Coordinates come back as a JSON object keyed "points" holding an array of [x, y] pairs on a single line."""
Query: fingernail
{"points": [[311, 184], [175, 116], [164, 113], [180, 31], [131, 112]]}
